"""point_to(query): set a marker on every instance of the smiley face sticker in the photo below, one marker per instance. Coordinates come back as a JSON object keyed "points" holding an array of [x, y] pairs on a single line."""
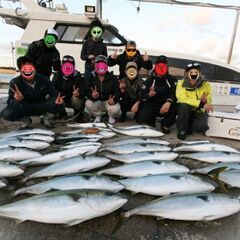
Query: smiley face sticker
{"points": [[28, 71], [161, 69], [49, 40], [67, 69]]}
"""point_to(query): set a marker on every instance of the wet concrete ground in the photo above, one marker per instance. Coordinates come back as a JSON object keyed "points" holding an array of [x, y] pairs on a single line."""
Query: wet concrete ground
{"points": [[137, 227]]}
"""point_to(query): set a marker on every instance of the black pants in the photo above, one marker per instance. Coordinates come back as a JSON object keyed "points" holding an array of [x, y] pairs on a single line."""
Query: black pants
{"points": [[26, 109], [190, 119], [126, 104], [148, 112]]}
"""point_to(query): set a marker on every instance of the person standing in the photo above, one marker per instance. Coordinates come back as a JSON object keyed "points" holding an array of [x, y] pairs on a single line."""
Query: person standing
{"points": [[158, 97], [131, 54], [194, 100], [32, 94], [69, 82], [103, 92], [93, 46], [45, 54]]}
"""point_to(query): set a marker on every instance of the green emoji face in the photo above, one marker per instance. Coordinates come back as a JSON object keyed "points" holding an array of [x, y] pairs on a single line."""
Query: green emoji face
{"points": [[49, 40], [96, 32]]}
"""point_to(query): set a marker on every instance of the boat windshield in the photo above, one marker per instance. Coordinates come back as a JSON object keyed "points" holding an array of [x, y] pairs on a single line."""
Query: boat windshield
{"points": [[77, 33]]}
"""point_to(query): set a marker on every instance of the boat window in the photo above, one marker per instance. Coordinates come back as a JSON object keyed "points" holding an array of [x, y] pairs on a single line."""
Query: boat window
{"points": [[77, 34], [226, 74]]}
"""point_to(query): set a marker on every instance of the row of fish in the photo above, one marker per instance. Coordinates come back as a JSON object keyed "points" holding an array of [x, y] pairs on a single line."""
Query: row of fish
{"points": [[148, 170]]}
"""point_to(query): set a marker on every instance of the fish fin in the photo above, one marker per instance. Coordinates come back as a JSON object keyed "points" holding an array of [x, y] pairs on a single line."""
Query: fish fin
{"points": [[215, 172], [18, 221], [222, 186], [122, 220], [74, 222], [208, 218]]}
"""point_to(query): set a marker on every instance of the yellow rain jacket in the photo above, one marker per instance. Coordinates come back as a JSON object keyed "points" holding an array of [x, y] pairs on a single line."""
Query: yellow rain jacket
{"points": [[191, 96]]}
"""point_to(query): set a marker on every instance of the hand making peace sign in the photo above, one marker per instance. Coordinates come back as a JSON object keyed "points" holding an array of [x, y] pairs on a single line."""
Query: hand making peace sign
{"points": [[111, 100], [17, 94], [95, 93], [114, 54], [75, 92], [59, 99], [145, 57]]}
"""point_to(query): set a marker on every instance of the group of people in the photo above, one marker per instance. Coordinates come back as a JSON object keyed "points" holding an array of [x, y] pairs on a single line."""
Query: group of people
{"points": [[99, 92]]}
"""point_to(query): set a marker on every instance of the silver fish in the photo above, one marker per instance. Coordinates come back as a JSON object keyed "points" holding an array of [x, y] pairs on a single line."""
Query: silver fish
{"points": [[206, 147], [70, 165], [231, 177], [213, 156], [78, 131], [10, 169], [143, 156], [87, 125], [81, 144], [26, 132], [136, 141], [59, 156], [83, 181], [31, 144], [139, 132], [165, 184], [195, 142], [17, 154], [145, 168], [40, 137], [226, 166], [131, 127], [131, 148], [64, 207], [190, 207], [88, 140], [76, 137]]}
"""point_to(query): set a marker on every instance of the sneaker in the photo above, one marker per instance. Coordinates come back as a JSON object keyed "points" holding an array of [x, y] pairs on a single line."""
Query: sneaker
{"points": [[181, 135], [97, 119], [26, 122], [165, 129], [111, 120], [45, 121]]}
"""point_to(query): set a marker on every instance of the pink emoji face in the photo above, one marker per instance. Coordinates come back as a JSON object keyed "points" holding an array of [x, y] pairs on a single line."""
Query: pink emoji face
{"points": [[28, 71], [161, 69], [101, 68], [67, 69]]}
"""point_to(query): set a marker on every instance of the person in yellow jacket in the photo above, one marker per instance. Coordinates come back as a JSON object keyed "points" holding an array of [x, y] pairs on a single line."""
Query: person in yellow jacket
{"points": [[194, 99]]}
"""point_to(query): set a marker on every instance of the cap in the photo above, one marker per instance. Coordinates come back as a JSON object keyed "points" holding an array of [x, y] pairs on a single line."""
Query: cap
{"points": [[68, 58], [52, 32], [161, 59], [131, 64], [25, 59], [101, 58]]}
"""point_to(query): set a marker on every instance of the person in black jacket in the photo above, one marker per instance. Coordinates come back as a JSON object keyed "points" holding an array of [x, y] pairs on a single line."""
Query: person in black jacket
{"points": [[69, 82], [93, 46], [131, 54], [31, 94], [158, 97], [103, 92], [130, 87], [45, 53]]}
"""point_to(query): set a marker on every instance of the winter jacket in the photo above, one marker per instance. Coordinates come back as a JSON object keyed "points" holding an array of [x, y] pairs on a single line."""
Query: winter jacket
{"points": [[133, 88], [109, 86], [45, 57], [65, 85], [191, 96], [43, 88], [90, 47], [165, 88], [123, 59]]}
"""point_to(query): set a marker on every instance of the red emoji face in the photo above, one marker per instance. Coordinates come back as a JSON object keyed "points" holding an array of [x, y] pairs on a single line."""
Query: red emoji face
{"points": [[28, 71], [161, 69]]}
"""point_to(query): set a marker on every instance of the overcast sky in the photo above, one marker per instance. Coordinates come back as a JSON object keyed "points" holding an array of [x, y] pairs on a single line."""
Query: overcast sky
{"points": [[199, 31]]}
